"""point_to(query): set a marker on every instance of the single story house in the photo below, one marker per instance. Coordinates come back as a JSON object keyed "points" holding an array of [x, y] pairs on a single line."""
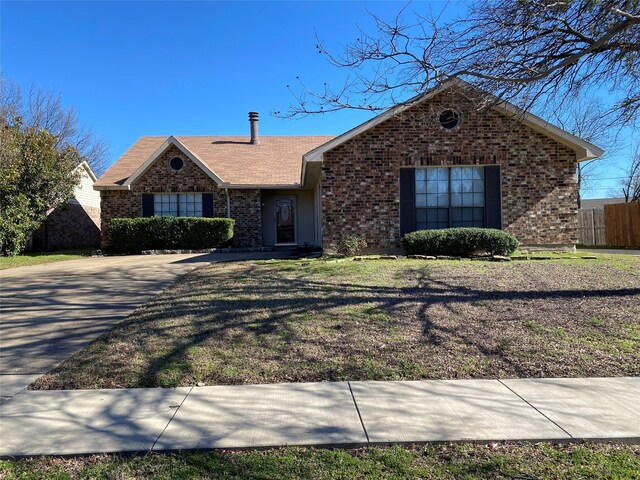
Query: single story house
{"points": [[436, 161], [76, 224]]}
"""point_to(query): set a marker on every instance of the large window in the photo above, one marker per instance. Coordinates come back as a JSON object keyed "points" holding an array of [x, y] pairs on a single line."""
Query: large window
{"points": [[177, 204], [450, 197]]}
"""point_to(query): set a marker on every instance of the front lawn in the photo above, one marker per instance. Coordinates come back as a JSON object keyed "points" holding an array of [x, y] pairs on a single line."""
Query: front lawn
{"points": [[314, 320], [444, 461], [37, 258]]}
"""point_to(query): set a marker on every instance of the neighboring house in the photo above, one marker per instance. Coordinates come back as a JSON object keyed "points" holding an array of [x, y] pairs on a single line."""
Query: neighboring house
{"points": [[436, 161], [599, 203], [75, 224]]}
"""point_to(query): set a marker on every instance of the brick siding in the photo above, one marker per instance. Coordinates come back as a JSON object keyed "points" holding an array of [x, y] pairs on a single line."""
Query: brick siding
{"points": [[246, 209], [360, 178], [69, 226], [161, 178]]}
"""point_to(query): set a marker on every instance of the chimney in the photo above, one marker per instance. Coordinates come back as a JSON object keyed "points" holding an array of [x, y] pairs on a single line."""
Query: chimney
{"points": [[253, 121]]}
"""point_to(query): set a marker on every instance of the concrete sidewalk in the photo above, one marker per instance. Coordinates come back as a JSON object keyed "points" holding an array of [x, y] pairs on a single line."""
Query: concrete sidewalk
{"points": [[319, 414]]}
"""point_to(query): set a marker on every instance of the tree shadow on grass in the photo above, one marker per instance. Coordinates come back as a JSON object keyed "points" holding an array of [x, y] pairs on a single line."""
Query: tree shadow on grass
{"points": [[253, 317], [262, 307]]}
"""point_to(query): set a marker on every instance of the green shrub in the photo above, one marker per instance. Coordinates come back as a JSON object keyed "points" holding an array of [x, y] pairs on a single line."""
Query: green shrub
{"points": [[156, 233], [350, 245], [460, 242], [17, 221]]}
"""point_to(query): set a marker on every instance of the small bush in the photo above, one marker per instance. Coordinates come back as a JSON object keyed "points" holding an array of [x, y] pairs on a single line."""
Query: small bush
{"points": [[350, 245], [460, 242], [133, 235]]}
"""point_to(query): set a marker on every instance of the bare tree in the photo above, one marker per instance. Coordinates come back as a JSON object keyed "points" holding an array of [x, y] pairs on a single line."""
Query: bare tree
{"points": [[43, 110], [523, 51], [630, 183], [586, 119], [10, 101]]}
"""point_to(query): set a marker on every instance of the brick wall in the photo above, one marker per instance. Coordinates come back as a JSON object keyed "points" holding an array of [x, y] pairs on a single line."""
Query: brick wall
{"points": [[246, 210], [116, 204], [69, 226], [160, 177], [360, 178]]}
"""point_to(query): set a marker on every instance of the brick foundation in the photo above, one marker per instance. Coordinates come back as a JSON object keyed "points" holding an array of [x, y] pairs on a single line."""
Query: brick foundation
{"points": [[360, 178]]}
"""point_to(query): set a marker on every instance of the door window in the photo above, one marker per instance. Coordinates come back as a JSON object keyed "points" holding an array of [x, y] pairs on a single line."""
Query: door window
{"points": [[285, 220]]}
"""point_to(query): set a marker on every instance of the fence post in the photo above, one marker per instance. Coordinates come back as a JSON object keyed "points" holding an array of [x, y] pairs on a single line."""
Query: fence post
{"points": [[593, 225]]}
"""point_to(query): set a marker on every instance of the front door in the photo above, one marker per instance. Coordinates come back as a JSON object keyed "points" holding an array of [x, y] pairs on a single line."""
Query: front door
{"points": [[285, 209]]}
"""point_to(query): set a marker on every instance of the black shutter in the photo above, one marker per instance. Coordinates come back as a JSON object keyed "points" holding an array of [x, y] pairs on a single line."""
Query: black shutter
{"points": [[407, 200], [147, 204], [493, 202], [207, 205]]}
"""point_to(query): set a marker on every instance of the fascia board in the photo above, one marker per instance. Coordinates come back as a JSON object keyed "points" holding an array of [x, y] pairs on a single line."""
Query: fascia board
{"points": [[237, 186], [87, 169], [584, 150], [111, 187]]}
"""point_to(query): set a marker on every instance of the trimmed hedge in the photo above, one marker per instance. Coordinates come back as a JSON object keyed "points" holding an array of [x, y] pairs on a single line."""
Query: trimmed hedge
{"points": [[460, 242], [133, 235]]}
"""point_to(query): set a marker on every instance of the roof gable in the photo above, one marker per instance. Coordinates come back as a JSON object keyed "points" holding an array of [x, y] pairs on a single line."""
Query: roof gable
{"points": [[85, 166], [584, 150], [160, 150]]}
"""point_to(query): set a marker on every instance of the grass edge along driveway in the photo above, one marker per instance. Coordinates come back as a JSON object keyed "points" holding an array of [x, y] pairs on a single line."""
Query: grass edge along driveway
{"points": [[38, 258]]}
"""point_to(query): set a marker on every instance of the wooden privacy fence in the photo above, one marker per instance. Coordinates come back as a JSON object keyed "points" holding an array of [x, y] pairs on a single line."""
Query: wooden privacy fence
{"points": [[622, 224], [591, 227]]}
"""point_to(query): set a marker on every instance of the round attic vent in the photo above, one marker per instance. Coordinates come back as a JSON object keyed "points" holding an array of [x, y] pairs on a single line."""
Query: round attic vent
{"points": [[449, 119], [176, 163]]}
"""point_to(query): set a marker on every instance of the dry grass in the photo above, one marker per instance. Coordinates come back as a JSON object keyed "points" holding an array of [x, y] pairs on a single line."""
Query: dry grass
{"points": [[293, 321]]}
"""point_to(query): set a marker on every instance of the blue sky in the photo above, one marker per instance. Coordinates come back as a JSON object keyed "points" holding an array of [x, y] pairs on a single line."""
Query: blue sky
{"points": [[187, 68]]}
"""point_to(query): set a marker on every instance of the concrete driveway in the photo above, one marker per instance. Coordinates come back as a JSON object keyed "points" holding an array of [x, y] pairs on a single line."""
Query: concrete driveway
{"points": [[51, 311]]}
